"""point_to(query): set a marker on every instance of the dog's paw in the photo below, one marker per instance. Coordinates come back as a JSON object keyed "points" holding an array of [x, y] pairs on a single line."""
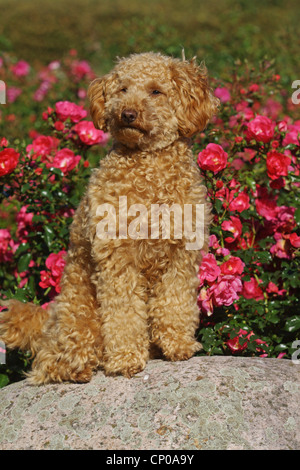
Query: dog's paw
{"points": [[127, 363], [57, 372], [179, 350]]}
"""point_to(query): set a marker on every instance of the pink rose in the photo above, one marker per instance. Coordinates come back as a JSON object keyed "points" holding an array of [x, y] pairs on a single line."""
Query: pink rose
{"points": [[261, 129], [8, 161], [226, 290], [251, 290], [21, 68], [80, 68], [277, 164], [205, 301], [208, 270], [7, 246], [234, 226], [12, 93], [292, 135], [24, 222], [89, 135], [281, 248], [65, 160], [66, 109], [212, 158], [223, 94], [247, 155], [285, 219], [272, 108], [42, 90]]}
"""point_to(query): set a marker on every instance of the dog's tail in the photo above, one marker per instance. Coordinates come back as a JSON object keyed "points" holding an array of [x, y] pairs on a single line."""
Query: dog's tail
{"points": [[21, 325]]}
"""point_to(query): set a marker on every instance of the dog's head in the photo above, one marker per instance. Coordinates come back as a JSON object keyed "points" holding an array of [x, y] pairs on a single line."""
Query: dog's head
{"points": [[149, 100]]}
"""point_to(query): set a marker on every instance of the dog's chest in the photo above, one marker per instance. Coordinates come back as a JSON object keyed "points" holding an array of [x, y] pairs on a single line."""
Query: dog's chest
{"points": [[156, 182]]}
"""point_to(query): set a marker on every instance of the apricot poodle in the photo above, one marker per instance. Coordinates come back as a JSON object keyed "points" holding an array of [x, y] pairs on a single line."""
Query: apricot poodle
{"points": [[122, 296]]}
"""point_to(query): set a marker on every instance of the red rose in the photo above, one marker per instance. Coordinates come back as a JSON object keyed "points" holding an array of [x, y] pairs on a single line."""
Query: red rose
{"points": [[295, 240], [212, 158], [65, 160], [42, 146], [8, 161], [261, 129], [251, 290], [233, 266], [277, 164], [234, 343], [235, 346], [267, 208], [208, 270], [55, 264], [239, 203], [234, 226]]}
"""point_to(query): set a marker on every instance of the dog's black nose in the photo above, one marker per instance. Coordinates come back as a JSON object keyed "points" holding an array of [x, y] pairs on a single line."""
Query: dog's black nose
{"points": [[128, 116]]}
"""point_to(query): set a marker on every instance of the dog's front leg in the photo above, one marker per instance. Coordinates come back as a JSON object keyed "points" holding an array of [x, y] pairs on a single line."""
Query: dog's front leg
{"points": [[173, 310], [121, 294]]}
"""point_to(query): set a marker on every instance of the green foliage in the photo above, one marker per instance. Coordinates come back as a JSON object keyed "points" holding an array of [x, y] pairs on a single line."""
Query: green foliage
{"points": [[219, 32]]}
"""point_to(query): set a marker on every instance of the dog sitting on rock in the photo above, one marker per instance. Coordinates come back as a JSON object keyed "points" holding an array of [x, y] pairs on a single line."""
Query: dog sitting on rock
{"points": [[122, 296]]}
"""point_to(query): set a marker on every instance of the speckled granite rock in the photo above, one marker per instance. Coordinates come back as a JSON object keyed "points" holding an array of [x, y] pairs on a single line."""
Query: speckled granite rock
{"points": [[204, 403]]}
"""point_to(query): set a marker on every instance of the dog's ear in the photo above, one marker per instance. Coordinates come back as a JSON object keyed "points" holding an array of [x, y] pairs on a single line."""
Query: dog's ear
{"points": [[96, 94], [195, 102]]}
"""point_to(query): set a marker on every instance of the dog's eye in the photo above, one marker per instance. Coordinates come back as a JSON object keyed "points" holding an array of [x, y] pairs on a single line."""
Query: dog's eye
{"points": [[124, 90], [156, 92]]}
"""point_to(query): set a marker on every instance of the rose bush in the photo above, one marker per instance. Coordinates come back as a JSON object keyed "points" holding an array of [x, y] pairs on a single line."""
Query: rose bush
{"points": [[249, 158], [249, 283]]}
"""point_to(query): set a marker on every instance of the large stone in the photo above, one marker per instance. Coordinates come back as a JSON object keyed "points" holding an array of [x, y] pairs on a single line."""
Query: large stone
{"points": [[203, 403]]}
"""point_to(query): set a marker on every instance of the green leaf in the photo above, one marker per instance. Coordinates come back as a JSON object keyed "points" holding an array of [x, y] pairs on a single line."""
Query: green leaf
{"points": [[47, 194], [297, 216], [56, 171], [24, 261], [21, 248], [25, 188], [48, 235], [292, 324], [3, 380], [21, 295], [38, 218], [281, 347], [218, 205]]}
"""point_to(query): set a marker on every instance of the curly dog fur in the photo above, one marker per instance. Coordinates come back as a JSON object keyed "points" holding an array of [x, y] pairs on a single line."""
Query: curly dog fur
{"points": [[122, 297]]}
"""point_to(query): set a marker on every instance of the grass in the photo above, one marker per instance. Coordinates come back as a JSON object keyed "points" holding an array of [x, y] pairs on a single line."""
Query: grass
{"points": [[219, 31]]}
